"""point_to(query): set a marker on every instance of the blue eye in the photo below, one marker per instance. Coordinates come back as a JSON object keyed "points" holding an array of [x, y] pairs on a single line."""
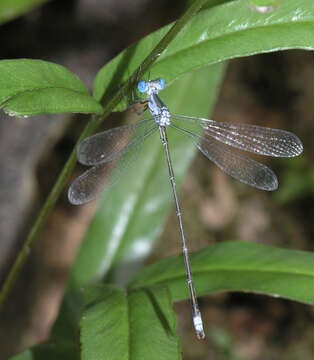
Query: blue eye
{"points": [[142, 86], [161, 82]]}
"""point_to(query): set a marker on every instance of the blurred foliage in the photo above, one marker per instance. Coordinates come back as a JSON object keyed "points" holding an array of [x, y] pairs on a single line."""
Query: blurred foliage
{"points": [[11, 9], [224, 342], [297, 180]]}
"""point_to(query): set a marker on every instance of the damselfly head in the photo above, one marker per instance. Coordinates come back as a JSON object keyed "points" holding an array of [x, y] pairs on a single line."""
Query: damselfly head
{"points": [[151, 86]]}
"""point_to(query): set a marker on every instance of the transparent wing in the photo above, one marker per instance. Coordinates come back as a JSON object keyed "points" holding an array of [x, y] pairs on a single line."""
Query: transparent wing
{"points": [[234, 164], [100, 178], [258, 139], [110, 144]]}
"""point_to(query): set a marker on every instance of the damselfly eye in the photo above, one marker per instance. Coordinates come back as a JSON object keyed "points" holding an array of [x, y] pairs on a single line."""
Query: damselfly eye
{"points": [[142, 86], [161, 82]]}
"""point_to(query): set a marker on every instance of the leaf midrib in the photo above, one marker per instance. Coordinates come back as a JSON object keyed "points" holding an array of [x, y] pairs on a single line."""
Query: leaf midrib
{"points": [[41, 88], [178, 277]]}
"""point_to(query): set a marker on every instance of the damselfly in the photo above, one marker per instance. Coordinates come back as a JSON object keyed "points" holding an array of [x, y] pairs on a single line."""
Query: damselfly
{"points": [[214, 139]]}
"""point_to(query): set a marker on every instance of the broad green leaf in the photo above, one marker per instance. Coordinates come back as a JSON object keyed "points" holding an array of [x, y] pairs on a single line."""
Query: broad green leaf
{"points": [[139, 325], [30, 87], [114, 324], [236, 266], [224, 32], [104, 324], [10, 9], [154, 325], [131, 215]]}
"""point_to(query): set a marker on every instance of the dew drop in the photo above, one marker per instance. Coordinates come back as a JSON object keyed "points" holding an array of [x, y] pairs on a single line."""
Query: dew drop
{"points": [[263, 6]]}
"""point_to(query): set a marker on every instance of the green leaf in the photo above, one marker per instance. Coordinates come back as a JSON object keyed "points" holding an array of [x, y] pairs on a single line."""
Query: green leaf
{"points": [[131, 215], [139, 325], [104, 323], [114, 324], [29, 87], [224, 32], [10, 9], [236, 266]]}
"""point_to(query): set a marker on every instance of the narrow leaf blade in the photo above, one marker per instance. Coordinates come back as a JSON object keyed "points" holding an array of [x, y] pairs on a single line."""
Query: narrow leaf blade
{"points": [[237, 266]]}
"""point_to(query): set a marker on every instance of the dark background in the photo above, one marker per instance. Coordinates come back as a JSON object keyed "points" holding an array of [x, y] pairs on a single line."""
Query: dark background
{"points": [[272, 90]]}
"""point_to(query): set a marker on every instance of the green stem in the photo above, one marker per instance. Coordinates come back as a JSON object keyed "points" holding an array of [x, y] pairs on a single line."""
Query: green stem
{"points": [[88, 130]]}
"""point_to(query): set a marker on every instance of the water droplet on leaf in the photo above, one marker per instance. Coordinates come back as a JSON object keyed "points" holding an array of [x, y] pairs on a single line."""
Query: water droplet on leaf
{"points": [[263, 6]]}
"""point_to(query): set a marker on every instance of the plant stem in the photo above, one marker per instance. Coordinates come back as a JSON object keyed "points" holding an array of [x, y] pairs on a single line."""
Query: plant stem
{"points": [[88, 130]]}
